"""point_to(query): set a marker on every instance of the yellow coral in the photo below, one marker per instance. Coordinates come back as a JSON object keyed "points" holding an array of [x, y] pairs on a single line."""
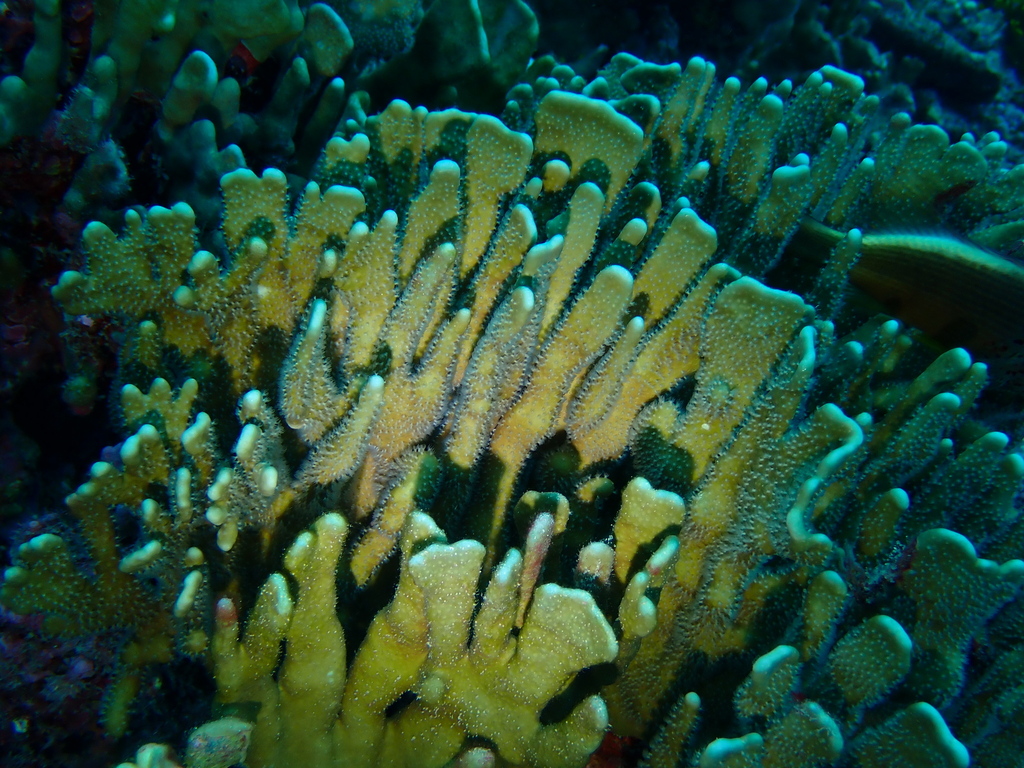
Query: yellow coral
{"points": [[497, 308]]}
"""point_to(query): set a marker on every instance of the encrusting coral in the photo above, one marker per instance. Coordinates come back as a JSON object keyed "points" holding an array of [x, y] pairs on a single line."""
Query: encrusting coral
{"points": [[505, 439]]}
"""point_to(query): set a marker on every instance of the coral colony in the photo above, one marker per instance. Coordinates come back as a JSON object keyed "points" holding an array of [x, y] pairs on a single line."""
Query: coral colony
{"points": [[496, 441]]}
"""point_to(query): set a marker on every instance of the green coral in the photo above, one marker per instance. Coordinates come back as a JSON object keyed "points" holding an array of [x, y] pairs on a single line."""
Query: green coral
{"points": [[512, 410]]}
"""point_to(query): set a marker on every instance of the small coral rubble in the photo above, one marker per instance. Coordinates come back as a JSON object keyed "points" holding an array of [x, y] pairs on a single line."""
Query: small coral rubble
{"points": [[501, 438]]}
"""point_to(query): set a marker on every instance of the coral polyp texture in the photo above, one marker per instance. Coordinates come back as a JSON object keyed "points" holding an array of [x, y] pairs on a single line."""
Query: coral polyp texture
{"points": [[496, 438]]}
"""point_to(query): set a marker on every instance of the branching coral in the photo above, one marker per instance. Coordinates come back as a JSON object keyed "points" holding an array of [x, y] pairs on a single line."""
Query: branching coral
{"points": [[569, 307], [177, 52]]}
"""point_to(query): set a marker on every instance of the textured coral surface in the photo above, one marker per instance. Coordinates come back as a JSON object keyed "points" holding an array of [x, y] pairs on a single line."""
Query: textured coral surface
{"points": [[617, 428]]}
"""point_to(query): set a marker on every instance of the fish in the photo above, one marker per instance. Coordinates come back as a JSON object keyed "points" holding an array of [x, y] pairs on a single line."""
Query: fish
{"points": [[956, 292]]}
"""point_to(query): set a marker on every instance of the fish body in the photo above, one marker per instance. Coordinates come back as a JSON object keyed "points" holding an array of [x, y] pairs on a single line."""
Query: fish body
{"points": [[959, 294]]}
